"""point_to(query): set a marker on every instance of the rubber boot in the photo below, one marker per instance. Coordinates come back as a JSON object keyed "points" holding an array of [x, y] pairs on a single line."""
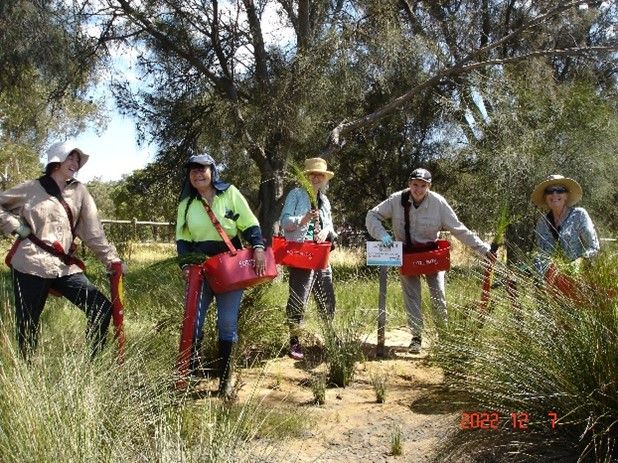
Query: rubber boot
{"points": [[225, 368]]}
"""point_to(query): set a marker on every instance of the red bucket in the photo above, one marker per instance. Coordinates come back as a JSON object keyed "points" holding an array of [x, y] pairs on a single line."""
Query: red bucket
{"points": [[301, 254], [423, 262], [561, 284], [226, 272]]}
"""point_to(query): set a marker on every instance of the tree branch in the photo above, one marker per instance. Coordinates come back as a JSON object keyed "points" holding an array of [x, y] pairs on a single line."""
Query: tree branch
{"points": [[336, 138]]}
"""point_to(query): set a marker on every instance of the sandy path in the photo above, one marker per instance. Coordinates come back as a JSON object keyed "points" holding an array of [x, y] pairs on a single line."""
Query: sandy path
{"points": [[351, 426]]}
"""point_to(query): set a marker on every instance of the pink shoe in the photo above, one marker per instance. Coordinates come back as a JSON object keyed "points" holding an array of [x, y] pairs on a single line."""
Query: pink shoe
{"points": [[295, 352]]}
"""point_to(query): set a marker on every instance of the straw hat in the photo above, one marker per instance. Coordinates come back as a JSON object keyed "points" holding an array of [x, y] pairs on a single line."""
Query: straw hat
{"points": [[318, 166], [58, 152], [574, 190]]}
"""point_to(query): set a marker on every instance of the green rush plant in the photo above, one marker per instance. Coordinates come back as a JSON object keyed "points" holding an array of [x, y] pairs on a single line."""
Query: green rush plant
{"points": [[544, 367], [301, 178], [343, 349], [396, 442]]}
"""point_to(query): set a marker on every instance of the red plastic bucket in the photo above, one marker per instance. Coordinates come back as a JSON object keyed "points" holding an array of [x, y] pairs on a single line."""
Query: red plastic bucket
{"points": [[301, 254], [423, 262], [226, 272], [561, 284]]}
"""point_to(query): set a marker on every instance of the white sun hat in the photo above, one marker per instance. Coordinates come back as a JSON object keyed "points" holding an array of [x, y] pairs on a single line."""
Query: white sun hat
{"points": [[58, 152]]}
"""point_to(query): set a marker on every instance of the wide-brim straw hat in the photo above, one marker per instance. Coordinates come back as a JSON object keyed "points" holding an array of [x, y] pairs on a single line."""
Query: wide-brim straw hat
{"points": [[318, 166], [574, 194], [59, 152]]}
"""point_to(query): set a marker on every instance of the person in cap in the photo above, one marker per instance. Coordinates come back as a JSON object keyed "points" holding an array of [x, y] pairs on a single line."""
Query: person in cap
{"points": [[563, 227], [306, 216], [196, 234], [47, 215], [429, 213]]}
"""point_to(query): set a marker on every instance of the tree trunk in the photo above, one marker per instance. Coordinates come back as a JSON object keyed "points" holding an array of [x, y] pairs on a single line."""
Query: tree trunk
{"points": [[270, 197]]}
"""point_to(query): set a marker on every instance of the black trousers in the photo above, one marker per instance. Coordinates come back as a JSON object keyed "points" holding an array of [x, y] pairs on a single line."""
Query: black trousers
{"points": [[31, 293]]}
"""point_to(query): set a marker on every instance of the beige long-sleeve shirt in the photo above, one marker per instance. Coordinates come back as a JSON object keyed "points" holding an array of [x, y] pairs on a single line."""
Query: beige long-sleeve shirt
{"points": [[29, 204], [432, 216]]}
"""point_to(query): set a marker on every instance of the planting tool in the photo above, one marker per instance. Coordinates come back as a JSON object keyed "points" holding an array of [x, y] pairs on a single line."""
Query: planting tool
{"points": [[489, 268], [192, 294], [117, 292], [501, 224]]}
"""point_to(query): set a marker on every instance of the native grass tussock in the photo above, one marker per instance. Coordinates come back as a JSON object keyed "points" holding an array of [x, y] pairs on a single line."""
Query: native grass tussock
{"points": [[541, 365], [534, 352]]}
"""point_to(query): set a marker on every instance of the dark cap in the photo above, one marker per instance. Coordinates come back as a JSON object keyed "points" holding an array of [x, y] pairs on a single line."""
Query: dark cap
{"points": [[420, 174], [203, 159]]}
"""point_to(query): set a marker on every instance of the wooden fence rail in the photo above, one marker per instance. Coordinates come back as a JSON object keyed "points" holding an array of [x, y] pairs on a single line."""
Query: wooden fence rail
{"points": [[138, 230]]}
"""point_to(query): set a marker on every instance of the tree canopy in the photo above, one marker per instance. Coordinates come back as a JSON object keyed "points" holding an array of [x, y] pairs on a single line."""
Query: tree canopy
{"points": [[484, 93], [47, 64]]}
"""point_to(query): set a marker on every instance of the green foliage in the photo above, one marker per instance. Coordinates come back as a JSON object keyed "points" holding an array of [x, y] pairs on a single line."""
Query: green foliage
{"points": [[148, 195], [378, 381], [305, 184], [396, 442], [318, 387], [47, 64], [101, 192], [343, 349], [541, 352], [17, 164]]}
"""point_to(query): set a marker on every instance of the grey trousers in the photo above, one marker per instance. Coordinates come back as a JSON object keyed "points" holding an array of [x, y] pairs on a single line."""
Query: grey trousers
{"points": [[304, 282], [411, 286]]}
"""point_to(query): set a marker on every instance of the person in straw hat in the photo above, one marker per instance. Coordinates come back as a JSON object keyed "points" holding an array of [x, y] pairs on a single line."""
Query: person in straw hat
{"points": [[306, 216], [47, 215], [563, 227]]}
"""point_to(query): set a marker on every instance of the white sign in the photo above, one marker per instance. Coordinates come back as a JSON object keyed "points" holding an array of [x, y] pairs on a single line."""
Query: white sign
{"points": [[378, 254]]}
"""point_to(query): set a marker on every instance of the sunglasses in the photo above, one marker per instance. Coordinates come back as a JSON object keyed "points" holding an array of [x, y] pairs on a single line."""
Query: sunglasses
{"points": [[555, 189]]}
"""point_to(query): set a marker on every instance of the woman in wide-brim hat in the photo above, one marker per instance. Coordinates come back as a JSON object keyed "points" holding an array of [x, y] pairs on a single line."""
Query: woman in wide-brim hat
{"points": [[563, 228], [47, 215], [301, 220]]}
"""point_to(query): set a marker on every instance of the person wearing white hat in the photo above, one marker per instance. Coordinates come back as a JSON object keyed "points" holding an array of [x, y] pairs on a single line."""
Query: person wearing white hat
{"points": [[562, 227], [47, 215], [303, 220], [427, 214]]}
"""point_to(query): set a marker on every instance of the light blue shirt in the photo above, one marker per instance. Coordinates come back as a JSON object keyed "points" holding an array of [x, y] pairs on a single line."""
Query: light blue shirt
{"points": [[577, 237], [297, 204]]}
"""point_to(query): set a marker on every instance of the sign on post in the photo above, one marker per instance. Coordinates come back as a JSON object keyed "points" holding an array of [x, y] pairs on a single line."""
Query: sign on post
{"points": [[380, 255]]}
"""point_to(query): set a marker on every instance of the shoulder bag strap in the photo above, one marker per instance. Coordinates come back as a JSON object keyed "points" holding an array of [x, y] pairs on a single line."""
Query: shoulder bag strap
{"points": [[51, 188], [218, 227], [405, 202], [57, 250]]}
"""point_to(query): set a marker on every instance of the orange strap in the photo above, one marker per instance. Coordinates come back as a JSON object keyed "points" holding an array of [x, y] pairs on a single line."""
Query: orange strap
{"points": [[219, 228]]}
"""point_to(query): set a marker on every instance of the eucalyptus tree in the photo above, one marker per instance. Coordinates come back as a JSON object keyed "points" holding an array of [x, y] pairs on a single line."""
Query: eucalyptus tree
{"points": [[504, 79], [47, 62], [260, 83], [257, 83]]}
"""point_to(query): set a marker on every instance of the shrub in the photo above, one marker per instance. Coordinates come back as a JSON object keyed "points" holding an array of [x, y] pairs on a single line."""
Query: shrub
{"points": [[543, 354]]}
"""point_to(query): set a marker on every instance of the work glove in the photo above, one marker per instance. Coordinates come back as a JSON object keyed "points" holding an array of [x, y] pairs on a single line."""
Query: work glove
{"points": [[387, 240], [22, 231]]}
